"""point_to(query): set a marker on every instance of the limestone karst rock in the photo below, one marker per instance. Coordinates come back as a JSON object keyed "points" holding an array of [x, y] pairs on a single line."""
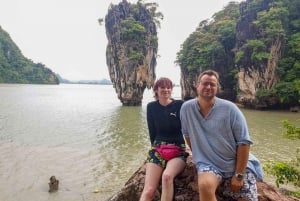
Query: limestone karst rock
{"points": [[131, 50], [252, 75], [249, 45], [186, 188]]}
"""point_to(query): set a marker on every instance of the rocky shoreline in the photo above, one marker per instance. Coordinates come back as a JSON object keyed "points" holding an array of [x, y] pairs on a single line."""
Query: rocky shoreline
{"points": [[186, 188]]}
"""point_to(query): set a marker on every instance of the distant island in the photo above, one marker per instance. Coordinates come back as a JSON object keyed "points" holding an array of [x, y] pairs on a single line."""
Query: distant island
{"points": [[101, 82]]}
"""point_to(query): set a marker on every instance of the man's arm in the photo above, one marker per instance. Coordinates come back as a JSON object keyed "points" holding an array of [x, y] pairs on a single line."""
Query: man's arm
{"points": [[188, 141], [240, 167], [242, 158]]}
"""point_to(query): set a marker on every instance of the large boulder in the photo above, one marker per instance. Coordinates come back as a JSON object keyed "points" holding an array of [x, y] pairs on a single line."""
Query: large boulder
{"points": [[186, 188]]}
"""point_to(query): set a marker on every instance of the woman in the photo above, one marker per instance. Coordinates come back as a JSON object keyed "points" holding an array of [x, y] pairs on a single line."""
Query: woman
{"points": [[164, 126]]}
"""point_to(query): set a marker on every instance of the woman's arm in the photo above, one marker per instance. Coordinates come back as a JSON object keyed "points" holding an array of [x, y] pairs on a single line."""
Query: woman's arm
{"points": [[150, 122]]}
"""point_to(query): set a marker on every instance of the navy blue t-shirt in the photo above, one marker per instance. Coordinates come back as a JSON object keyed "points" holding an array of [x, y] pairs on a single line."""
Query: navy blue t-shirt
{"points": [[164, 122]]}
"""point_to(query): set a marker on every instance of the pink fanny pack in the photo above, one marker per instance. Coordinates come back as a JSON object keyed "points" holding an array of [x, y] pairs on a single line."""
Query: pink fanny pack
{"points": [[168, 151]]}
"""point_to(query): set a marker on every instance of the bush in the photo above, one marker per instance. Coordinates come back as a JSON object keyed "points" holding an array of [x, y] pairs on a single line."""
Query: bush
{"points": [[287, 172]]}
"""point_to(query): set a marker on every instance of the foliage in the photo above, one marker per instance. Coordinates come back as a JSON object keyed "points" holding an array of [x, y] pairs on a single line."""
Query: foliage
{"points": [[289, 65], [297, 86], [155, 14], [254, 49], [15, 68], [288, 92], [284, 172], [273, 34], [132, 29], [287, 172], [264, 93], [210, 45], [271, 23], [292, 131], [135, 29], [136, 56]]}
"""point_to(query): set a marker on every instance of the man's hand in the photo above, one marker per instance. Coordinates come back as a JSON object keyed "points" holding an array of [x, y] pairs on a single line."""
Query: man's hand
{"points": [[236, 184]]}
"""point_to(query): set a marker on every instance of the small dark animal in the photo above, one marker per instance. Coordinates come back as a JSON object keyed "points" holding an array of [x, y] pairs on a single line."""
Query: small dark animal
{"points": [[53, 184]]}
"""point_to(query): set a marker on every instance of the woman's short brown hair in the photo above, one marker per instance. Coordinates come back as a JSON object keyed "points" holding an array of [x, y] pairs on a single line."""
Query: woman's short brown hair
{"points": [[163, 82]]}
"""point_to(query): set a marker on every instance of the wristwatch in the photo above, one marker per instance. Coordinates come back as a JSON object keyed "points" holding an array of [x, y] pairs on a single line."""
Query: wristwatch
{"points": [[239, 176]]}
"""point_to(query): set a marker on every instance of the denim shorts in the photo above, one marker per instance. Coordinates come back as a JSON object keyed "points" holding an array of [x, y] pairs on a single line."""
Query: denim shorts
{"points": [[248, 191]]}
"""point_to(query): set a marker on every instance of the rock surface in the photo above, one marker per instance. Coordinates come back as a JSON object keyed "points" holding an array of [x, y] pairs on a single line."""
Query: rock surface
{"points": [[251, 75], [244, 78], [131, 50], [186, 188]]}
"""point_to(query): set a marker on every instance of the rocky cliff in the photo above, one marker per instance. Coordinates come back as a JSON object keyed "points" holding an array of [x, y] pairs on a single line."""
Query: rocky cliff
{"points": [[256, 73], [254, 45], [131, 50], [186, 188]]}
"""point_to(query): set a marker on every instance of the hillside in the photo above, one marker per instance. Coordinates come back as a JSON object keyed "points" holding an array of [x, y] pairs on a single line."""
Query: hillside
{"points": [[16, 68]]}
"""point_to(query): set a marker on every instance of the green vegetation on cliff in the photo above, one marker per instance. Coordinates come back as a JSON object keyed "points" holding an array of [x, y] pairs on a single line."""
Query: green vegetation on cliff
{"points": [[15, 68], [253, 37]]}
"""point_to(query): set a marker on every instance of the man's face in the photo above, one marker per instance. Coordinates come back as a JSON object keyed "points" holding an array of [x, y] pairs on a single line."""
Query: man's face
{"points": [[207, 88]]}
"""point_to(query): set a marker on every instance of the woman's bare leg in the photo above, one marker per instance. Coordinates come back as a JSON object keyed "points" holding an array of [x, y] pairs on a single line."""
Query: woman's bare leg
{"points": [[152, 178], [174, 167]]}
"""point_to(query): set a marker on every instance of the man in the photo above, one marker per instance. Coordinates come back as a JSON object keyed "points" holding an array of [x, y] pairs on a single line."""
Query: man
{"points": [[217, 134]]}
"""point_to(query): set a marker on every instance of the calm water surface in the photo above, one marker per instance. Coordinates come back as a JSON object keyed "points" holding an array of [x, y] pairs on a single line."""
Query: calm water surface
{"points": [[88, 140]]}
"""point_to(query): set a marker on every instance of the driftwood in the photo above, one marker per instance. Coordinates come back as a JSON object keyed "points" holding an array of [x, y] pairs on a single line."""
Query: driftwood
{"points": [[186, 189]]}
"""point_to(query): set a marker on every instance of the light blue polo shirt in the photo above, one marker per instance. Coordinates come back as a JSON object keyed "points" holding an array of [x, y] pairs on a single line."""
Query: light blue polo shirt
{"points": [[214, 138]]}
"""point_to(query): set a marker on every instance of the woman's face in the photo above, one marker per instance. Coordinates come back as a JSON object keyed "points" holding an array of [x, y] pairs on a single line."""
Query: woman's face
{"points": [[164, 92]]}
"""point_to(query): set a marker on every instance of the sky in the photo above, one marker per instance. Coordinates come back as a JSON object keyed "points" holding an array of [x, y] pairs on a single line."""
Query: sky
{"points": [[65, 35]]}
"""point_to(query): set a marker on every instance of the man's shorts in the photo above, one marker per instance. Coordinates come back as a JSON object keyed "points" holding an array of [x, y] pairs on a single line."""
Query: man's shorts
{"points": [[154, 157], [248, 191]]}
